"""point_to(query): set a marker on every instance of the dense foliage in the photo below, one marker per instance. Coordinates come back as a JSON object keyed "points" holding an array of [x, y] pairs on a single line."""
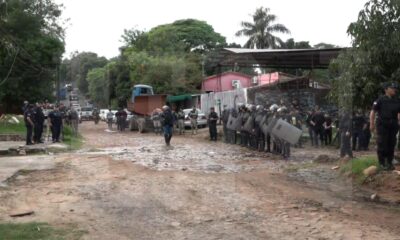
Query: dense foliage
{"points": [[31, 46], [374, 58]]}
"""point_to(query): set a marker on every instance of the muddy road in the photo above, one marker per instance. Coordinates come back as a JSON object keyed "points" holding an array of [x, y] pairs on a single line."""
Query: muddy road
{"points": [[130, 186]]}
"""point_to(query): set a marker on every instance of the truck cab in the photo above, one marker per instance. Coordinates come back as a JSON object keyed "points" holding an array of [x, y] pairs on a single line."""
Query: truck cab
{"points": [[141, 90]]}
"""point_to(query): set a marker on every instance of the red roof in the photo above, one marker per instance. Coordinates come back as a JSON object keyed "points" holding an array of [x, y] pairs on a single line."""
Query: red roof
{"points": [[227, 73]]}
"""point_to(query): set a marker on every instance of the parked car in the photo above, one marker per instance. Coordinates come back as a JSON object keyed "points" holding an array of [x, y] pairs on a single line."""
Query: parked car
{"points": [[201, 120], [86, 113], [103, 114]]}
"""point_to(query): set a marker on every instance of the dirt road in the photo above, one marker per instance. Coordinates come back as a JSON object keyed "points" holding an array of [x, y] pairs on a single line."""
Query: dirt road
{"points": [[130, 186]]}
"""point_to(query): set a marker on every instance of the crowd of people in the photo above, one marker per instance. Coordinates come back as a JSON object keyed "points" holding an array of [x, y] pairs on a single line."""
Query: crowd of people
{"points": [[250, 125], [53, 117]]}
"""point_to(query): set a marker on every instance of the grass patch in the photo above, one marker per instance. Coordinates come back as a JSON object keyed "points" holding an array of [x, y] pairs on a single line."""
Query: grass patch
{"points": [[33, 231], [12, 128], [73, 142], [355, 167]]}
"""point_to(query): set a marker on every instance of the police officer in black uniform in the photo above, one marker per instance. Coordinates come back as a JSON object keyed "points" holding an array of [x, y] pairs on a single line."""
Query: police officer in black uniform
{"points": [[56, 122], [386, 109], [29, 123], [212, 124], [39, 122]]}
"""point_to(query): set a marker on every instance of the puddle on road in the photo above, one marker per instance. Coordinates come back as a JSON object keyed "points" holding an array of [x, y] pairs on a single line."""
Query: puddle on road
{"points": [[216, 158]]}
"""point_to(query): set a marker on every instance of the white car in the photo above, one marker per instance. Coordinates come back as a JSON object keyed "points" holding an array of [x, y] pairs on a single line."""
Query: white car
{"points": [[201, 119], [86, 113], [103, 114]]}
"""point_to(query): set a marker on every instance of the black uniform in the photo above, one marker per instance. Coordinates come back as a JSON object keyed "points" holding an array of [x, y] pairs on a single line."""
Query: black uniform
{"points": [[387, 109], [39, 121], [212, 124], [345, 135], [319, 120], [56, 119], [358, 126], [225, 118], [29, 127]]}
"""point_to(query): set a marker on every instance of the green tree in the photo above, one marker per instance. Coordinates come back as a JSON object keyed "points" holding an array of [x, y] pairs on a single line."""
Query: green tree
{"points": [[188, 35], [292, 44], [99, 87], [31, 46], [261, 30], [77, 68], [375, 56]]}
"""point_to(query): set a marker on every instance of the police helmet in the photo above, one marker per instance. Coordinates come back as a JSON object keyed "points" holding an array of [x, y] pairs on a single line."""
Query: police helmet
{"points": [[273, 107], [282, 109]]}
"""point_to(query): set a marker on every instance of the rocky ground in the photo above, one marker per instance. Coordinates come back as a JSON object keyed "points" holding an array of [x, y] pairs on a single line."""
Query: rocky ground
{"points": [[130, 186]]}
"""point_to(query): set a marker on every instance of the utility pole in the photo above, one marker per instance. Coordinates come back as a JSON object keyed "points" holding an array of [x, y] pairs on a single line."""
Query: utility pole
{"points": [[58, 83]]}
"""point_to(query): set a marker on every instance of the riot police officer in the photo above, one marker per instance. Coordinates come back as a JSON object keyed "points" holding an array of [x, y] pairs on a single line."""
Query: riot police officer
{"points": [[56, 122], [386, 108], [39, 122]]}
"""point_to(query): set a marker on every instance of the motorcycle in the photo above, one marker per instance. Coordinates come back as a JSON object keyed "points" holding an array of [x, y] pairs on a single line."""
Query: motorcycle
{"points": [[96, 119]]}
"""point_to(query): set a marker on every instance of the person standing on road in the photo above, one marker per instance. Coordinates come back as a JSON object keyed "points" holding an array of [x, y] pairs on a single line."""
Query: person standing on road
{"points": [[386, 109], [345, 127], [156, 118], [167, 120], [181, 121], [212, 124], [110, 117], [29, 123], [39, 122], [73, 118], [225, 119], [357, 133], [328, 130], [317, 121], [121, 116], [193, 115], [56, 122]]}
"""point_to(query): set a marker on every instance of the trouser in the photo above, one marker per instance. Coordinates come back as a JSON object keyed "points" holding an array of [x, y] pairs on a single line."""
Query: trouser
{"points": [[37, 137], [109, 122], [328, 136], [285, 149], [311, 134], [357, 140], [254, 141], [345, 145], [244, 138], [74, 125], [157, 126], [386, 141], [213, 131], [29, 130], [318, 136], [193, 123], [225, 129], [181, 126], [366, 138], [168, 134], [261, 142], [56, 132], [268, 143]]}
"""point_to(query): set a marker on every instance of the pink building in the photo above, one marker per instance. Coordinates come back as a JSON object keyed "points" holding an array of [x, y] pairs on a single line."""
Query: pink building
{"points": [[226, 81], [233, 80]]}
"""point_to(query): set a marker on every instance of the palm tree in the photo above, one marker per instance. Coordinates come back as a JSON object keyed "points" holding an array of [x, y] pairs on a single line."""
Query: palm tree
{"points": [[260, 32]]}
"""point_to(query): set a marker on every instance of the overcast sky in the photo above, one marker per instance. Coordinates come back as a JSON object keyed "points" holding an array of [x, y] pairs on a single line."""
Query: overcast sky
{"points": [[97, 25]]}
